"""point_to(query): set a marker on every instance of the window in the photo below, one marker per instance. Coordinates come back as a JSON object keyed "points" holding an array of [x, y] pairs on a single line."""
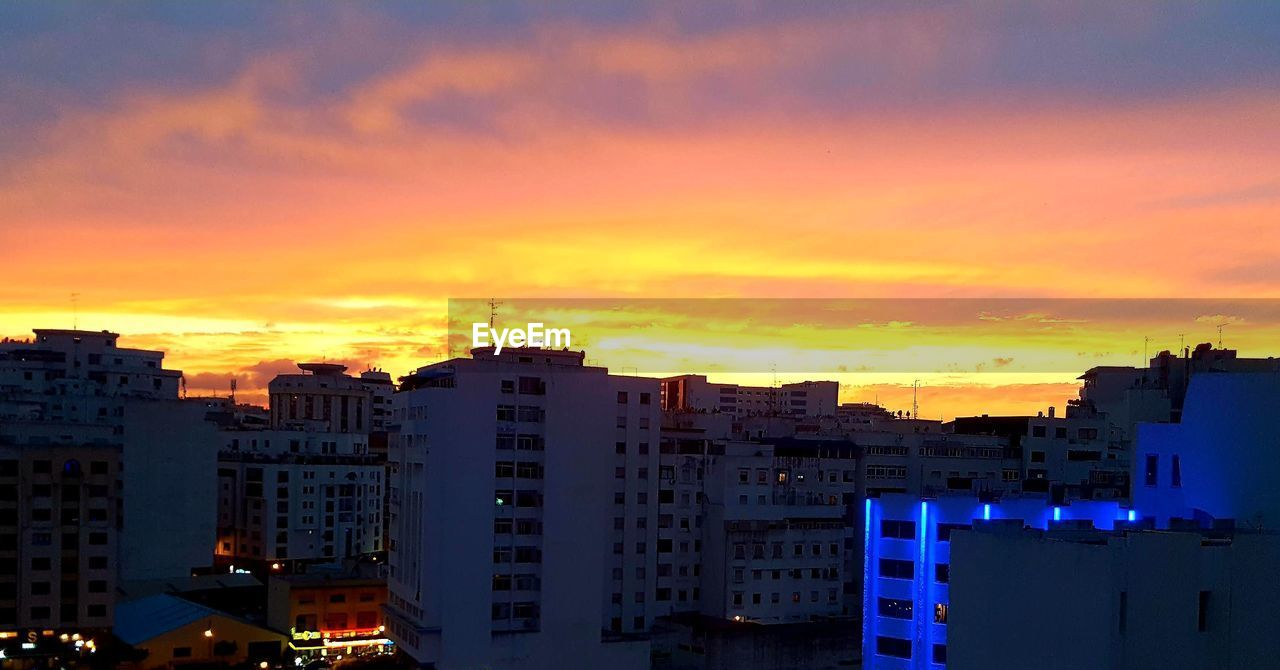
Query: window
{"points": [[940, 612], [940, 654], [894, 608], [942, 573], [903, 530], [1175, 472], [945, 529], [893, 568], [644, 398], [622, 397], [892, 646], [506, 413], [1152, 469]]}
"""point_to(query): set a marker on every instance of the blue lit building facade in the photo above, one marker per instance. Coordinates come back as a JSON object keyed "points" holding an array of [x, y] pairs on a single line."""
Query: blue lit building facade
{"points": [[907, 561]]}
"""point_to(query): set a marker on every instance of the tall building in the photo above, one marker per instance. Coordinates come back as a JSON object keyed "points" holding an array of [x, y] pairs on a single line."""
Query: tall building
{"points": [[776, 526], [503, 475], [110, 477], [308, 489]]}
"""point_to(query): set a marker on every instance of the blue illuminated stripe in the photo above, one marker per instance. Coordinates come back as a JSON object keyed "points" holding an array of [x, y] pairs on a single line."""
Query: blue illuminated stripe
{"points": [[923, 606], [986, 512], [869, 577], [1057, 514], [1133, 516]]}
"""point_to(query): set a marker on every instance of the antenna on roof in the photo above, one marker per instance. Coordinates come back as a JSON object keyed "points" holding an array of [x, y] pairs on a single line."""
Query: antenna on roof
{"points": [[75, 311], [1220, 327], [493, 311], [915, 404]]}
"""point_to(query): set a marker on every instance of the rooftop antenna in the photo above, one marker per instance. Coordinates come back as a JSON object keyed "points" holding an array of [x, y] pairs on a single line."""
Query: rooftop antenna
{"points": [[493, 311], [915, 402], [75, 311], [1220, 327], [233, 391], [1182, 342]]}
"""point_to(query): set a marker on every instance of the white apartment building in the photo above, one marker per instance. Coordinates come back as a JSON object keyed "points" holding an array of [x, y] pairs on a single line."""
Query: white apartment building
{"points": [[1085, 454], [308, 489], [777, 531], [286, 497], [96, 392], [503, 485], [694, 393]]}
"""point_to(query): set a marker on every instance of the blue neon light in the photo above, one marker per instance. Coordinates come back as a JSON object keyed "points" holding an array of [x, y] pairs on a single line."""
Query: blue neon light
{"points": [[1133, 515], [986, 512], [924, 579], [868, 588], [1057, 514]]}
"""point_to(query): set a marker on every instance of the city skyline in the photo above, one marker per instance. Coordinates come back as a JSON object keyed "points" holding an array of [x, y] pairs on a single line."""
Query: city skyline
{"points": [[312, 184]]}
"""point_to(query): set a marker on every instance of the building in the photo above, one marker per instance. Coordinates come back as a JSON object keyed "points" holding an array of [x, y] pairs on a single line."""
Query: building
{"points": [[1136, 599], [776, 524], [1085, 455], [58, 539], [107, 467], [503, 475], [1183, 578], [1219, 461], [308, 489], [174, 632], [907, 565], [694, 393], [330, 611]]}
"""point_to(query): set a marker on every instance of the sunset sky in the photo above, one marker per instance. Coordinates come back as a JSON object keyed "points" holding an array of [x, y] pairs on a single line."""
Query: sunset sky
{"points": [[244, 185]]}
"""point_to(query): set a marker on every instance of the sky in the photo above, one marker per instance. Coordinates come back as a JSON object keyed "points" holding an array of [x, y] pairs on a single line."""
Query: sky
{"points": [[245, 185]]}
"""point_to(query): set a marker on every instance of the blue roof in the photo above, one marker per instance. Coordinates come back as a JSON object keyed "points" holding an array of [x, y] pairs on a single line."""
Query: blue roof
{"points": [[145, 618]]}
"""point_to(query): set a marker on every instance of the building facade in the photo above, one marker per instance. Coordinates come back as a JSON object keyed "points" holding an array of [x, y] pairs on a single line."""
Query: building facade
{"points": [[503, 475]]}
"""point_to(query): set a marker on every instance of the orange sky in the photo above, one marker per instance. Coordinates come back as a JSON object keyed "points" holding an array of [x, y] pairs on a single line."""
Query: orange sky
{"points": [[295, 187]]}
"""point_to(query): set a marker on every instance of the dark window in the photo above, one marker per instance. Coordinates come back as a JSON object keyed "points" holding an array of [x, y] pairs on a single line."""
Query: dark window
{"points": [[892, 646], [939, 654], [1153, 469], [893, 568], [905, 530], [1176, 472], [894, 608], [942, 573]]}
